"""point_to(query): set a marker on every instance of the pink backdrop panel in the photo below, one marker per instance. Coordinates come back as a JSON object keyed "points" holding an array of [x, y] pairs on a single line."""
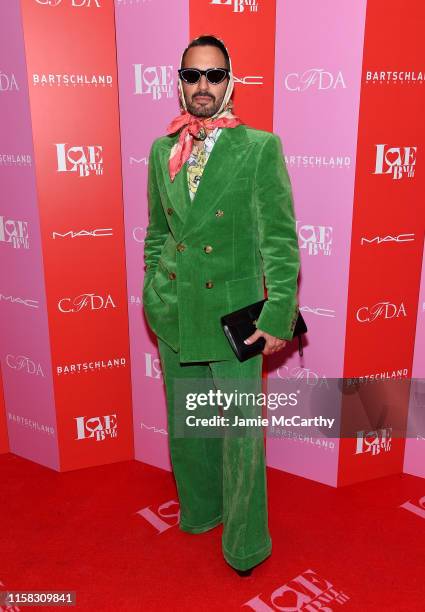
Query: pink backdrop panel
{"points": [[317, 93], [25, 349], [150, 40]]}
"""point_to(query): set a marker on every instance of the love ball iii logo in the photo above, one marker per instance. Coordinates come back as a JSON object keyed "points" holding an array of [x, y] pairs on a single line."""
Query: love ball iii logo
{"points": [[156, 81], [398, 161], [315, 239], [239, 6], [308, 591], [99, 427], [374, 442], [14, 233], [83, 160]]}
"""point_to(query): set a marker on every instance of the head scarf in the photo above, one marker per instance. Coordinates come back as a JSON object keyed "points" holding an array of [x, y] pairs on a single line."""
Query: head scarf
{"points": [[191, 126]]}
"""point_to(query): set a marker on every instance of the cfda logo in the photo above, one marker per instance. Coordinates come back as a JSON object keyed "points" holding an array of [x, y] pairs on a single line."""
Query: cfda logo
{"points": [[400, 162], [88, 301], [24, 364], [8, 82], [380, 310], [78, 3], [83, 160], [99, 427], [314, 78], [300, 373]]}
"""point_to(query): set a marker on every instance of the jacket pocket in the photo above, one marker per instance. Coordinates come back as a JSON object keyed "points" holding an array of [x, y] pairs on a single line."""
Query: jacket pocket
{"points": [[149, 294], [164, 286]]}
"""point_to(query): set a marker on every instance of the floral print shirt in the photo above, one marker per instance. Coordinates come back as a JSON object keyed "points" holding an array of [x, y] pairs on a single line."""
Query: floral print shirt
{"points": [[197, 161]]}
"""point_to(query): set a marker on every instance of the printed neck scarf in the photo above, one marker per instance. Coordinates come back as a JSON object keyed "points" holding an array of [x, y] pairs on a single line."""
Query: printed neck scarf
{"points": [[191, 126]]}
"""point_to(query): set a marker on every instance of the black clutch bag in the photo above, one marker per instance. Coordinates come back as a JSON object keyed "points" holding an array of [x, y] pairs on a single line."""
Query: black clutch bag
{"points": [[240, 324]]}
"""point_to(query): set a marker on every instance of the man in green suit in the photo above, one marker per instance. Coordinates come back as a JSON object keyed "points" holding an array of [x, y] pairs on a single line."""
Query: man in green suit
{"points": [[221, 222]]}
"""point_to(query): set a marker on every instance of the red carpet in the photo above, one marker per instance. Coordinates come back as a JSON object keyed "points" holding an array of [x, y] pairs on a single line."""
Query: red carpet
{"points": [[82, 531]]}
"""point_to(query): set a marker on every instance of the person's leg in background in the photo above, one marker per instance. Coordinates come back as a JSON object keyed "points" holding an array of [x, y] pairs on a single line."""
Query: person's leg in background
{"points": [[197, 461], [246, 539]]}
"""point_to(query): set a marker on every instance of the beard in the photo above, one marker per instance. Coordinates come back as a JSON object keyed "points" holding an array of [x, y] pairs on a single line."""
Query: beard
{"points": [[206, 110]]}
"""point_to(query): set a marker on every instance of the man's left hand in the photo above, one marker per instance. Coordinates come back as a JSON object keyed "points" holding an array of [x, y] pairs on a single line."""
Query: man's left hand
{"points": [[272, 345]]}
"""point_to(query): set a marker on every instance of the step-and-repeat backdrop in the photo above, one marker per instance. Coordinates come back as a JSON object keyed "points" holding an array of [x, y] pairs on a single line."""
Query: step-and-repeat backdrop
{"points": [[85, 87]]}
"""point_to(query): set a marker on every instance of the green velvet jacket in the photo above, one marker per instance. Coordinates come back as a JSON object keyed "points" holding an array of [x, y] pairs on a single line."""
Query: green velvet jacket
{"points": [[207, 257]]}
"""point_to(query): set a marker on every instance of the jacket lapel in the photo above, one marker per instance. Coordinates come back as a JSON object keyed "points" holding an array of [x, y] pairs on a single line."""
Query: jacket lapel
{"points": [[224, 164], [177, 191]]}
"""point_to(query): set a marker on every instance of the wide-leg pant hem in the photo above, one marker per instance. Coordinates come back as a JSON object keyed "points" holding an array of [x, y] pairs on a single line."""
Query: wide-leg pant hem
{"points": [[201, 528], [244, 563]]}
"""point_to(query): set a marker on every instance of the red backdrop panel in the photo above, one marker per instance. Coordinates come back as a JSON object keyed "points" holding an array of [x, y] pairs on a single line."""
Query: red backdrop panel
{"points": [[388, 219], [78, 171], [248, 31]]}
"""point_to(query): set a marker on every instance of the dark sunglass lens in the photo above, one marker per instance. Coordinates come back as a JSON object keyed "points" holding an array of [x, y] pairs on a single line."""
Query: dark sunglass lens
{"points": [[190, 76], [216, 76]]}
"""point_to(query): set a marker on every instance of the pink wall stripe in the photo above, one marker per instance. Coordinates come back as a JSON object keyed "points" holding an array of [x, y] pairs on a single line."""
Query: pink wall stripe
{"points": [[150, 39], [25, 349], [317, 92]]}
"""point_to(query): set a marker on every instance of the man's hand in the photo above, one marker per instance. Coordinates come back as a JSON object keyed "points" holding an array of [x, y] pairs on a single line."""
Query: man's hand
{"points": [[272, 345]]}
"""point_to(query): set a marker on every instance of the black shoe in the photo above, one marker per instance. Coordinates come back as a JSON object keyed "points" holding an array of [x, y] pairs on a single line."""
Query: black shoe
{"points": [[248, 572]]}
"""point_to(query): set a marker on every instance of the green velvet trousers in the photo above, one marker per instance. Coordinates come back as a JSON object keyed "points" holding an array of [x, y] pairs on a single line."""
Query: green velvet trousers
{"points": [[219, 479]]}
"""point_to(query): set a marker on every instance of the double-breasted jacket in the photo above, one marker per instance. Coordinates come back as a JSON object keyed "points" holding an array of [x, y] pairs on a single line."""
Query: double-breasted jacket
{"points": [[207, 257]]}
